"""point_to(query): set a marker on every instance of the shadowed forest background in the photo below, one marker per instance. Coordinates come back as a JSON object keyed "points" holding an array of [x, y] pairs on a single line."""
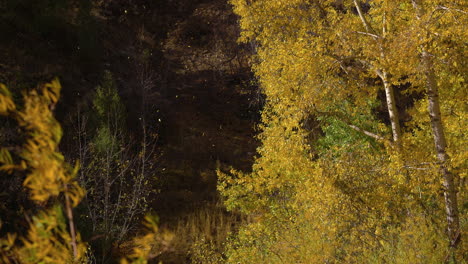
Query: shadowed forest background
{"points": [[179, 76], [309, 140]]}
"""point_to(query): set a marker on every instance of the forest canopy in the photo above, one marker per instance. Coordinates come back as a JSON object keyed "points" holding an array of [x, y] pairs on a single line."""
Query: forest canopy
{"points": [[362, 155]]}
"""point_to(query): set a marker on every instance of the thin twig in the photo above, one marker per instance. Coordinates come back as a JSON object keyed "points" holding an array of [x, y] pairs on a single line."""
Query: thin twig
{"points": [[71, 225], [368, 34], [451, 9], [365, 132]]}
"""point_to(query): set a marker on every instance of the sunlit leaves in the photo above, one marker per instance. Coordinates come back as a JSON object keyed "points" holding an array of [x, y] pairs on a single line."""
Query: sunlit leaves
{"points": [[48, 240], [47, 176], [361, 196], [142, 245], [6, 102]]}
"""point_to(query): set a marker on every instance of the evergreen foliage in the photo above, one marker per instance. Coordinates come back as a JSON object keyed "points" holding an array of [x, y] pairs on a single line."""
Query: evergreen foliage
{"points": [[117, 187]]}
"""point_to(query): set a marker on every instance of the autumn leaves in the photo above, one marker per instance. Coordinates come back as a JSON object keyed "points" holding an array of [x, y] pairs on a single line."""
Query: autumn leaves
{"points": [[315, 60]]}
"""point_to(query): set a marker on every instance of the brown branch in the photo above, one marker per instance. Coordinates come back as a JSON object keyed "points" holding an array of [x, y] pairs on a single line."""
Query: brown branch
{"points": [[72, 226]]}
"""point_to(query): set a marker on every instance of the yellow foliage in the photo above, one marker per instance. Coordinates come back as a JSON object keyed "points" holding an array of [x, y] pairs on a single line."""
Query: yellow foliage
{"points": [[48, 175], [142, 245], [357, 200], [47, 241], [6, 102]]}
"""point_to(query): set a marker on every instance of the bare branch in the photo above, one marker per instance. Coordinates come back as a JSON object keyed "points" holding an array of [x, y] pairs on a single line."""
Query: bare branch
{"points": [[363, 19], [345, 120], [368, 34], [71, 224], [384, 24], [415, 168], [365, 132], [451, 9]]}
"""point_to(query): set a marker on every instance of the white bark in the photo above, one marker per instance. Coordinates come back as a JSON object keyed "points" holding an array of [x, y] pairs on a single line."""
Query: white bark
{"points": [[389, 92], [392, 108], [450, 190]]}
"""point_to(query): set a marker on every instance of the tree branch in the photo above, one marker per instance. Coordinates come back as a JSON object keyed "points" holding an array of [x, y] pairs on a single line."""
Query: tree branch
{"points": [[356, 128], [365, 132], [368, 34], [363, 19], [451, 9], [71, 224]]}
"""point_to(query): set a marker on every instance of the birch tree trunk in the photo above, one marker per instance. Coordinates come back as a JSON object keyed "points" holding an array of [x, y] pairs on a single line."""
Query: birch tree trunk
{"points": [[389, 91], [392, 110], [450, 190]]}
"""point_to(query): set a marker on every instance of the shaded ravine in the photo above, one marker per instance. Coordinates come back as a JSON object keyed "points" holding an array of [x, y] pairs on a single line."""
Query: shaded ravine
{"points": [[208, 119]]}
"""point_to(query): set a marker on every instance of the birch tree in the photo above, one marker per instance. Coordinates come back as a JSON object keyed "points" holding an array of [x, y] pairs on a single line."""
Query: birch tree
{"points": [[430, 26], [354, 196]]}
